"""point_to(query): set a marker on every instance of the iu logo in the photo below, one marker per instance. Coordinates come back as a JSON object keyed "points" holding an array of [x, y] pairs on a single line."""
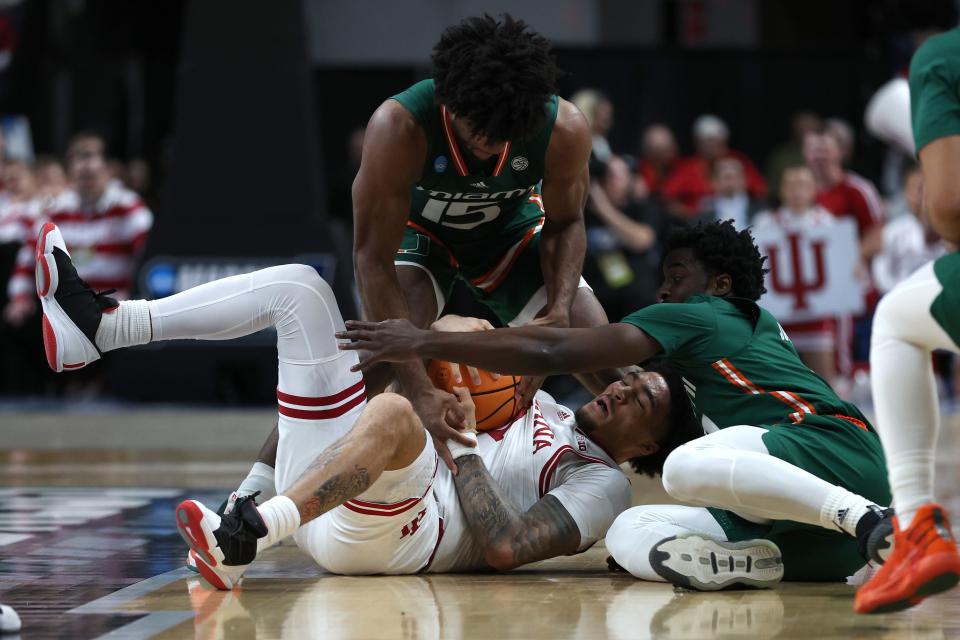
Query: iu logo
{"points": [[410, 529], [801, 284]]}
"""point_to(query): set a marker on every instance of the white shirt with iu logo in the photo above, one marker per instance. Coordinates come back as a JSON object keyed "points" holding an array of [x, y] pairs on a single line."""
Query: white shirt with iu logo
{"points": [[540, 453]]}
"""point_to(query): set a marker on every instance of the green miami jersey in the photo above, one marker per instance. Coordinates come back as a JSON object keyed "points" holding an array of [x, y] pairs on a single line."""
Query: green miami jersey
{"points": [[476, 210], [738, 364], [935, 89], [935, 113], [740, 368]]}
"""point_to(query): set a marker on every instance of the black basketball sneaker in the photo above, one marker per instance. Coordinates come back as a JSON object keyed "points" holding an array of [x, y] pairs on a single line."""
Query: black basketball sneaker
{"points": [[223, 546]]}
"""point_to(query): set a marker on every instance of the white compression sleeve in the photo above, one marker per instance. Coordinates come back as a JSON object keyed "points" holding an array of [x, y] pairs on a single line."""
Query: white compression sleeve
{"points": [[732, 469], [904, 390], [635, 532]]}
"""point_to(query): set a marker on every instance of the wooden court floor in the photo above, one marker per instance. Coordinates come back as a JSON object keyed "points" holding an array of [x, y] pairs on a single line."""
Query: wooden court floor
{"points": [[88, 549]]}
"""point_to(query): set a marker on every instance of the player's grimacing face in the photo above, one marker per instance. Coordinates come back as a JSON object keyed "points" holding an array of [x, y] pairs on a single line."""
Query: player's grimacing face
{"points": [[628, 412]]}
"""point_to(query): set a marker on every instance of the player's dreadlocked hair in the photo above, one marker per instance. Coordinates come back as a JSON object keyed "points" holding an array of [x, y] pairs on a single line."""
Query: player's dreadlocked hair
{"points": [[682, 424], [496, 74], [723, 249]]}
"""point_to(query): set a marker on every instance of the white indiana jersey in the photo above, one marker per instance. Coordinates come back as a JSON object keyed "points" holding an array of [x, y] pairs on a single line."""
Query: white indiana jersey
{"points": [[542, 452]]}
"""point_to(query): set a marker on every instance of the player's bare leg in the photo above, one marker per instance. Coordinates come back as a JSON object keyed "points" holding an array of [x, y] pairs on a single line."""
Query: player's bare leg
{"points": [[387, 436], [924, 559]]}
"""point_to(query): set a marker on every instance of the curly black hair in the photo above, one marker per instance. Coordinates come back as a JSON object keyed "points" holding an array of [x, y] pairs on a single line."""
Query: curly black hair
{"points": [[495, 73], [723, 249], [682, 425]]}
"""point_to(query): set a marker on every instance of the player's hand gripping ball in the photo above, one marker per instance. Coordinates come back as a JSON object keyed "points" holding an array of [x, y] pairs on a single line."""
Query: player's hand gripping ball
{"points": [[496, 400]]}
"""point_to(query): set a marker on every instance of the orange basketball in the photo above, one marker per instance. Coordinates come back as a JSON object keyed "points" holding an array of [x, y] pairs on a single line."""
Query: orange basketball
{"points": [[495, 401]]}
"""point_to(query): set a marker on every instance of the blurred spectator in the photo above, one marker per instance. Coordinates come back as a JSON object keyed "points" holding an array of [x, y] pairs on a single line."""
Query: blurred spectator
{"points": [[730, 199], [104, 224], [138, 176], [842, 192], [51, 178], [20, 368], [598, 111], [19, 212], [622, 260], [848, 195], [3, 159], [658, 156], [846, 139], [685, 188], [790, 153], [117, 170], [908, 241], [20, 207], [815, 341]]}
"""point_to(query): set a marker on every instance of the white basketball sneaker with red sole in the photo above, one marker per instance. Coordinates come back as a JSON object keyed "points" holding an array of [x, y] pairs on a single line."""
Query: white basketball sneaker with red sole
{"points": [[71, 309]]}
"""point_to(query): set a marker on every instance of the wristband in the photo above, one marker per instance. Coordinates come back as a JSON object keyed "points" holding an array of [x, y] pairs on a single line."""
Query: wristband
{"points": [[457, 449]]}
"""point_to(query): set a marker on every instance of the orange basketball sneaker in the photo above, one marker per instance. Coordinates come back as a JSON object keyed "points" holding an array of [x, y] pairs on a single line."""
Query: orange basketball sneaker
{"points": [[924, 562]]}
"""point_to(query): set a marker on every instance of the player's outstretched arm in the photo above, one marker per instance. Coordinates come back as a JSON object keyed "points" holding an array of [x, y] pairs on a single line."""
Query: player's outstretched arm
{"points": [[529, 350], [511, 537]]}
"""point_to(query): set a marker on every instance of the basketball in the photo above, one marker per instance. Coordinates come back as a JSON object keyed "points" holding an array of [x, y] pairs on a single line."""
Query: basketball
{"points": [[495, 400]]}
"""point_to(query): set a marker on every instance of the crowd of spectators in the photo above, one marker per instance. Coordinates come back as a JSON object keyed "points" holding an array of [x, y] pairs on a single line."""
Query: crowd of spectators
{"points": [[633, 201], [637, 195], [104, 221]]}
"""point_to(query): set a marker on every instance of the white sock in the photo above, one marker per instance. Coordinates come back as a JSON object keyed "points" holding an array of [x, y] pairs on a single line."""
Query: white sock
{"points": [[260, 478], [282, 519], [842, 510], [126, 326]]}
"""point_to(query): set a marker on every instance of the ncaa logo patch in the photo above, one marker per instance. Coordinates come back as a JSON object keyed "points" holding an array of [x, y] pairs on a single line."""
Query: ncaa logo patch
{"points": [[519, 163], [440, 164]]}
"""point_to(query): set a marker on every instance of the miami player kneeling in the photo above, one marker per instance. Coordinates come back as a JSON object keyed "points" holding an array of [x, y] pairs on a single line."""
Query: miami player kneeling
{"points": [[360, 485]]}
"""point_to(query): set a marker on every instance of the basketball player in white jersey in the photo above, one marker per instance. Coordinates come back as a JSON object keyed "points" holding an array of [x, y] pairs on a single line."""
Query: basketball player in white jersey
{"points": [[360, 487]]}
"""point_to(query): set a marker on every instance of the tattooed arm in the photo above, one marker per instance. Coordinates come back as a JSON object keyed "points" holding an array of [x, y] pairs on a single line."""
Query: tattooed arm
{"points": [[509, 537]]}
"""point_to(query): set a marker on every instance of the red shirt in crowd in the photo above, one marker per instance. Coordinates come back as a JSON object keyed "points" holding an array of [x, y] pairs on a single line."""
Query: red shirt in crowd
{"points": [[653, 176], [690, 181], [104, 240], [855, 197]]}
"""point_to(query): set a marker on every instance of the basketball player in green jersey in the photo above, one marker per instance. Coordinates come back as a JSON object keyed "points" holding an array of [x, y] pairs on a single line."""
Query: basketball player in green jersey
{"points": [[478, 174], [786, 470], [921, 314]]}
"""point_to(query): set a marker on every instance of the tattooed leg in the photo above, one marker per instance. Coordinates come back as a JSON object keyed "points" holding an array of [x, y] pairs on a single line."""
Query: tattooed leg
{"points": [[387, 436]]}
